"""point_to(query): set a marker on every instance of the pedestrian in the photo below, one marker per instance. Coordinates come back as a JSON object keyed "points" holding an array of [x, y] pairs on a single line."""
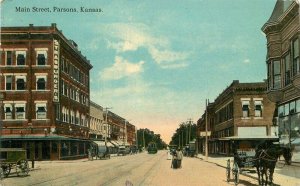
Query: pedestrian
{"points": [[174, 159], [179, 156]]}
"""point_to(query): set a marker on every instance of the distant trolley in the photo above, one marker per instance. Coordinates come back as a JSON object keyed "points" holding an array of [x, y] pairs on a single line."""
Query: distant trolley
{"points": [[152, 148], [13, 158]]}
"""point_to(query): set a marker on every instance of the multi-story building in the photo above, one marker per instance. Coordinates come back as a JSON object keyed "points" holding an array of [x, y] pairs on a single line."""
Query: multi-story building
{"points": [[117, 127], [242, 110], [282, 32], [45, 82], [97, 122]]}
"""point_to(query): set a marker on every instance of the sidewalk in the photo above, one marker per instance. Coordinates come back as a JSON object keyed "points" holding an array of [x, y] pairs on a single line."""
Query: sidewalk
{"points": [[285, 175]]}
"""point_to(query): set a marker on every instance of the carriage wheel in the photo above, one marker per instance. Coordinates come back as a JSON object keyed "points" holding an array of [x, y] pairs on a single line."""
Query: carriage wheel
{"points": [[228, 170], [6, 170], [235, 172], [22, 168]]}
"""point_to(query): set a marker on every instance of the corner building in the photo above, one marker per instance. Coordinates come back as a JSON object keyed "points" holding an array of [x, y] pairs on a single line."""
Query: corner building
{"points": [[282, 32], [44, 81], [242, 110]]}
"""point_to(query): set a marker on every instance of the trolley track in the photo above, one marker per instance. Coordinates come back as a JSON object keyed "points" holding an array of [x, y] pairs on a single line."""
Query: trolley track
{"points": [[132, 168]]}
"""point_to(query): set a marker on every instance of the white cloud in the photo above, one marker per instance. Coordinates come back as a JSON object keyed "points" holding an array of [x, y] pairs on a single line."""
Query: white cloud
{"points": [[246, 61], [130, 37], [121, 68]]}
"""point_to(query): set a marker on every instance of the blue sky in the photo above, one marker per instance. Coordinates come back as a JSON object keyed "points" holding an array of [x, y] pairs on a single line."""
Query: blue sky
{"points": [[155, 62]]}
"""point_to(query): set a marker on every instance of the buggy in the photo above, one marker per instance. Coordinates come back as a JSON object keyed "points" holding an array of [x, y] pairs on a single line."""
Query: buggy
{"points": [[244, 155], [13, 158]]}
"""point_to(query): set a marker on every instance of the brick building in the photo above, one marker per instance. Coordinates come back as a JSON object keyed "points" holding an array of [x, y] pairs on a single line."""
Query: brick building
{"points": [[282, 32], [241, 110], [117, 128], [45, 80]]}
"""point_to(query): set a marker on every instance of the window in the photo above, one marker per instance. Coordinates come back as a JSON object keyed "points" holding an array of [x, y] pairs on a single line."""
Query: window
{"points": [[65, 89], [41, 58], [41, 83], [20, 111], [41, 111], [72, 117], [21, 55], [287, 69], [8, 57], [298, 105], [292, 107], [269, 75], [20, 83], [276, 75], [258, 108], [286, 109], [77, 118], [8, 82], [281, 111], [296, 66], [245, 109], [77, 95], [8, 111]]}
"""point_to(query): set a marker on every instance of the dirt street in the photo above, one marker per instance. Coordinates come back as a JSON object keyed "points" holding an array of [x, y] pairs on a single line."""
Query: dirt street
{"points": [[139, 169]]}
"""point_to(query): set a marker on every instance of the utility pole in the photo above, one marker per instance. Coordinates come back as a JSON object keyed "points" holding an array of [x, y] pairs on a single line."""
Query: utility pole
{"points": [[186, 132], [182, 138], [144, 138], [206, 142], [190, 122]]}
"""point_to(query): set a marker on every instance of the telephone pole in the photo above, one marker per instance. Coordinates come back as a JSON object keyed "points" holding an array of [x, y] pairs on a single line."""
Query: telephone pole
{"points": [[206, 138]]}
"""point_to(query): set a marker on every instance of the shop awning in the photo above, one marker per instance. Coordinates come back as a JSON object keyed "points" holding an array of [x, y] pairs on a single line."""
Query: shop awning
{"points": [[41, 137], [99, 143], [109, 144]]}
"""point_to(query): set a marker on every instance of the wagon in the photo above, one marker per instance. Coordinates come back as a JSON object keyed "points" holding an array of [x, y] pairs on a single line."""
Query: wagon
{"points": [[244, 155], [100, 150], [13, 158]]}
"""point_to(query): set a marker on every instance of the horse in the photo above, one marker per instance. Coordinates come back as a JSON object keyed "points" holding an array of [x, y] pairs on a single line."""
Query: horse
{"points": [[266, 156]]}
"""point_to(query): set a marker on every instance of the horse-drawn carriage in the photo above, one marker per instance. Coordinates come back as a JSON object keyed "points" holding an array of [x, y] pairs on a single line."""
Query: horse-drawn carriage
{"points": [[99, 150], [13, 158], [258, 154]]}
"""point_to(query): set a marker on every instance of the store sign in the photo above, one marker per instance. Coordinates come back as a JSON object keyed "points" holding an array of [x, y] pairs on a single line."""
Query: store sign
{"points": [[204, 133], [55, 71]]}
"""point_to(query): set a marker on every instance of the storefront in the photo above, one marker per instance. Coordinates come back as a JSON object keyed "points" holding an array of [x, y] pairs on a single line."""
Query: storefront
{"points": [[48, 148]]}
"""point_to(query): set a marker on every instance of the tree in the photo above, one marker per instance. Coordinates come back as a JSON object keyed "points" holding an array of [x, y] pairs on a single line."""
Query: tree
{"points": [[185, 133], [145, 136]]}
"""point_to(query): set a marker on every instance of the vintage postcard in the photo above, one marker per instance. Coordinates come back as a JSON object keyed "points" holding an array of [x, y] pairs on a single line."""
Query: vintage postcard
{"points": [[132, 92]]}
